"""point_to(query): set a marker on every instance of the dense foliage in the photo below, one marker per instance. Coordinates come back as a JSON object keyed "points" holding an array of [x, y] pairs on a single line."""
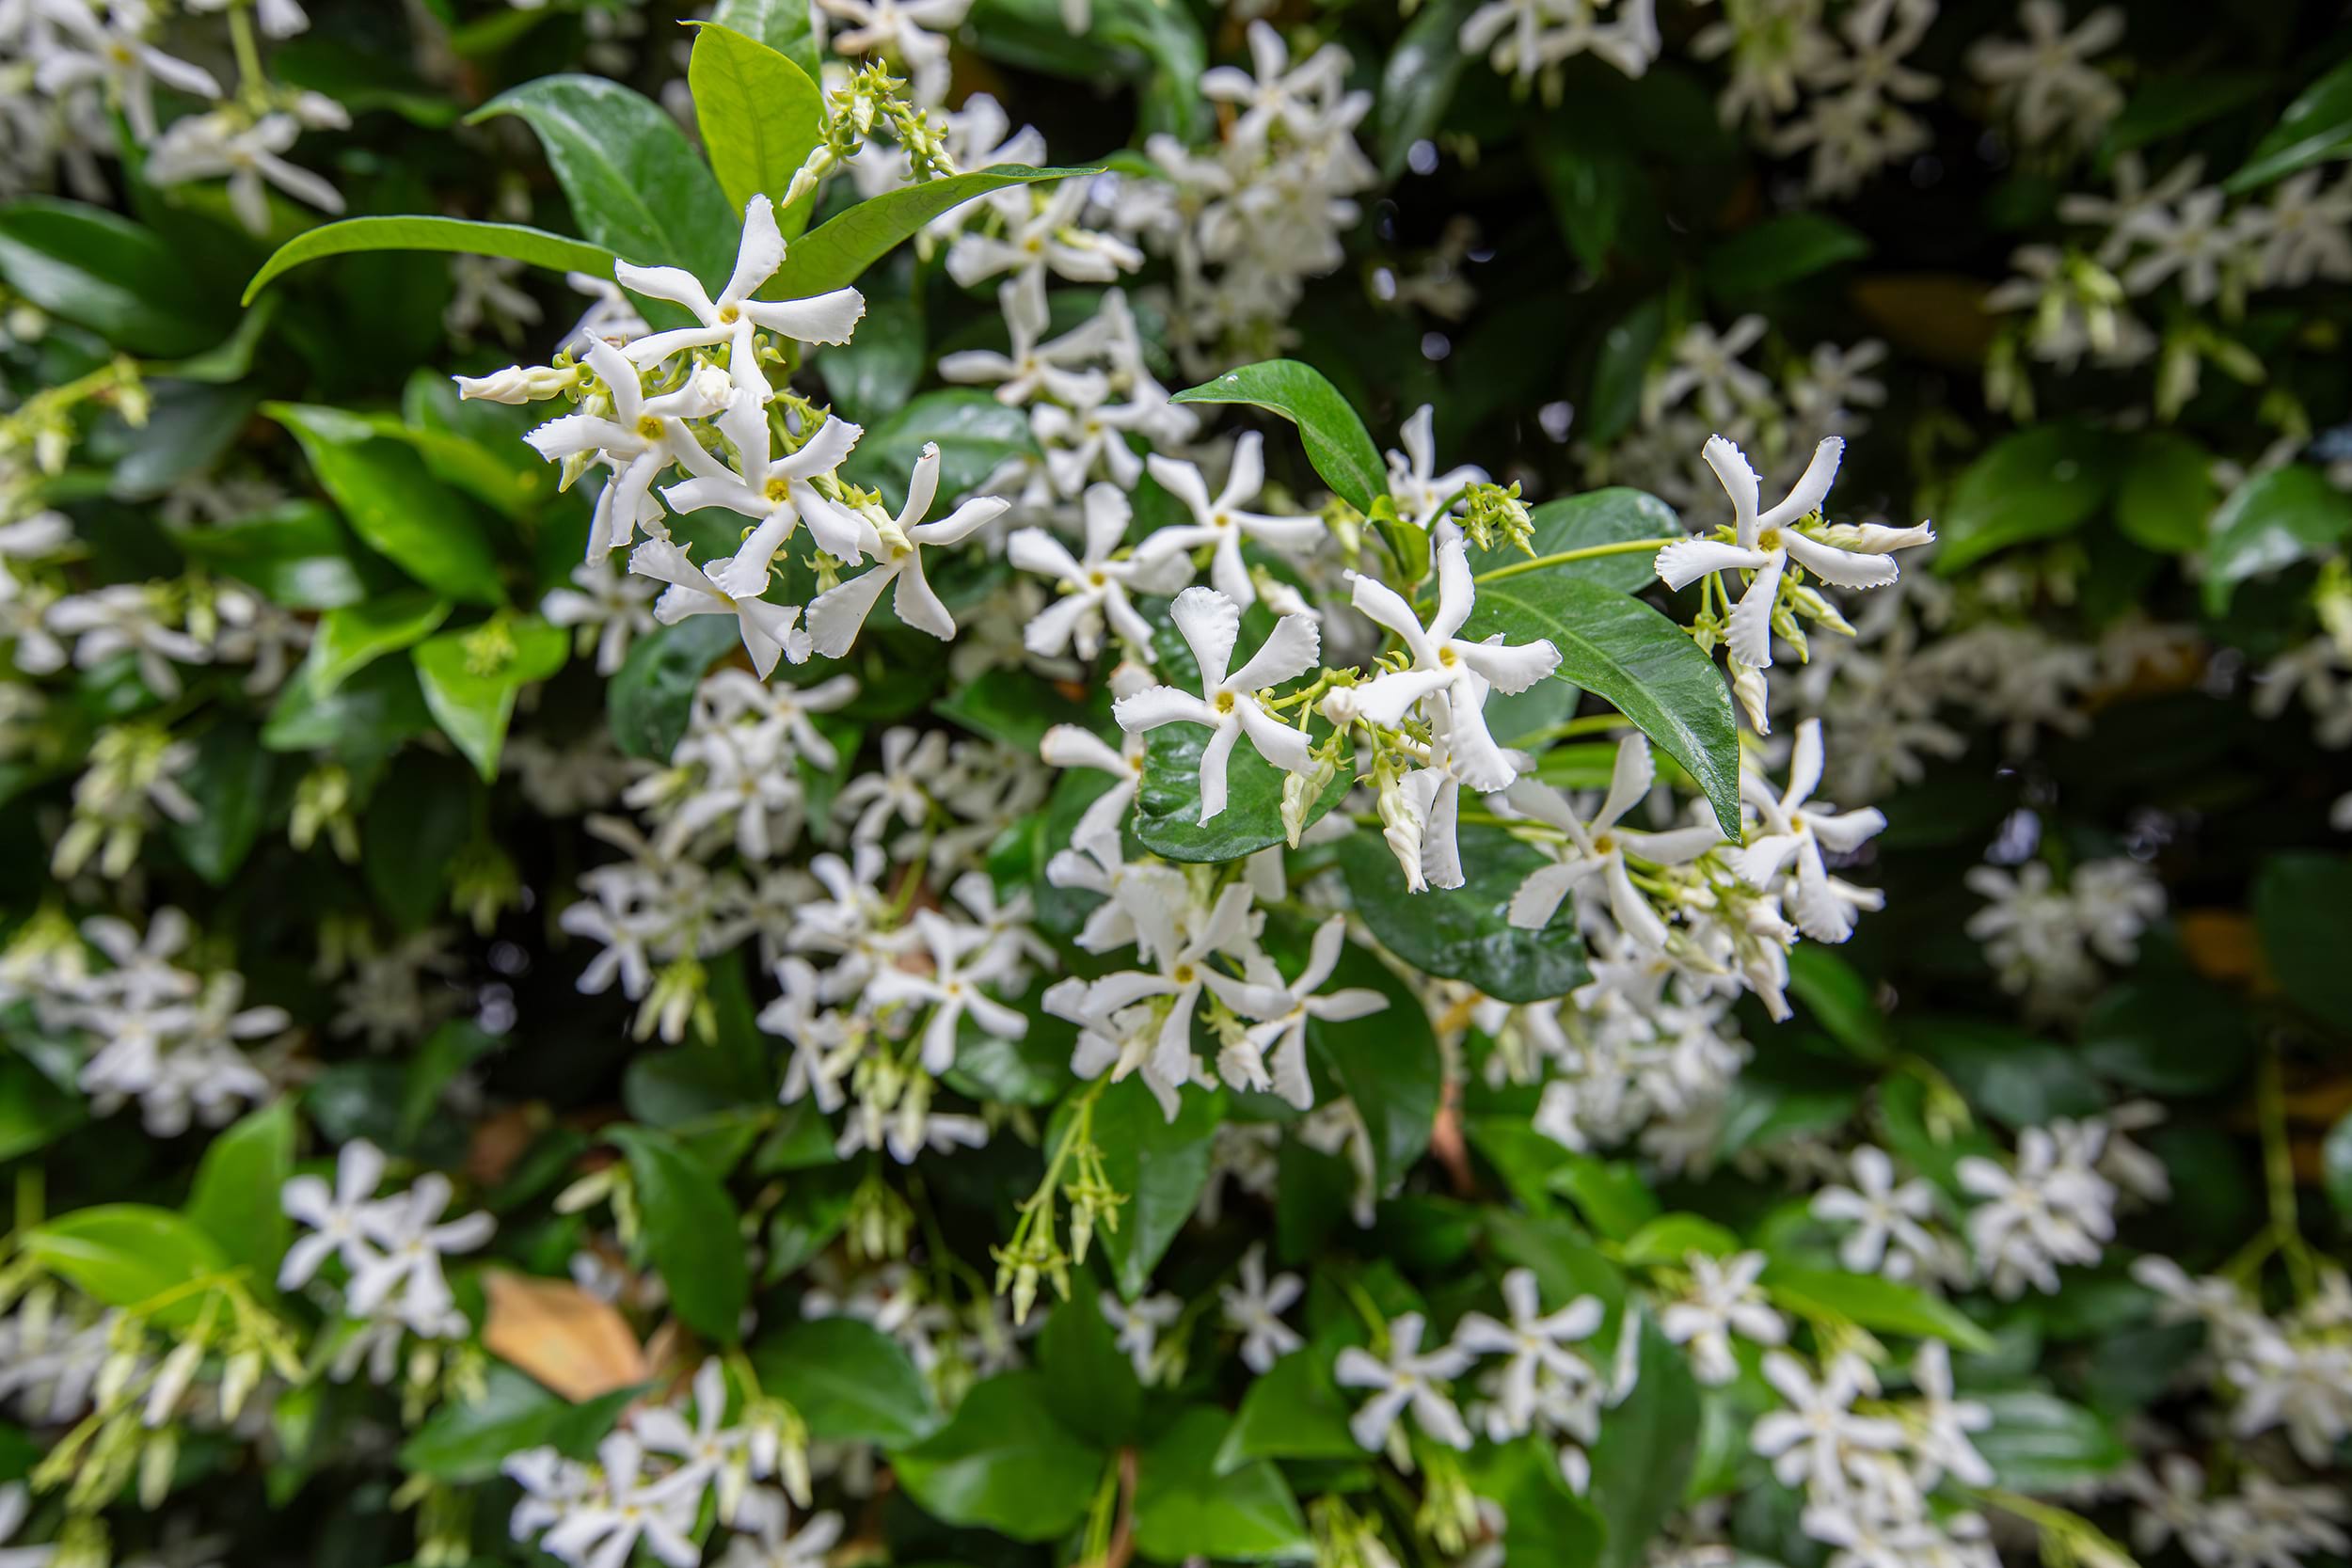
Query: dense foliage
{"points": [[1100, 828]]}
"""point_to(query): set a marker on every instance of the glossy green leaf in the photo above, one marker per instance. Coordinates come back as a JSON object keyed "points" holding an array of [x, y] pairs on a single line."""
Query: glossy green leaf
{"points": [[1465, 933], [2316, 128], [1620, 365], [130, 1255], [1626, 653], [470, 691], [1003, 1462], [359, 721], [1160, 1165], [1337, 443], [229, 782], [691, 1231], [870, 377], [2039, 1443], [394, 503], [463, 1443], [1089, 1383], [2168, 105], [1418, 82], [975, 433], [636, 186], [237, 1186], [1873, 1302], [759, 114], [836, 253], [2335, 1162], [783, 26], [652, 693], [1616, 514], [1386, 1063], [1185, 1508], [297, 554], [2275, 518], [850, 1381], [2303, 914], [2038, 484], [1295, 1411], [1168, 802], [1840, 1000], [102, 271], [458, 236], [1645, 1449], [347, 641]]}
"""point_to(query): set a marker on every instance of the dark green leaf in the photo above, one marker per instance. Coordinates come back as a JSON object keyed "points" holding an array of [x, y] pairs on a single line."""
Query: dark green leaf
{"points": [[229, 782], [2039, 1443], [34, 1112], [2168, 105], [1780, 251], [652, 694], [1386, 1063], [394, 502], [2274, 519], [2169, 1032], [2335, 1158], [1295, 1411], [1418, 81], [2303, 914], [418, 820], [833, 254], [462, 236], [1337, 443], [975, 433], [296, 554], [347, 641], [1465, 933], [2316, 129], [104, 272], [1003, 1462], [2038, 484], [1161, 1165], [1619, 368], [691, 1231], [463, 1444], [850, 1381], [1089, 1383], [2015, 1078], [870, 377], [1614, 515], [237, 1185], [1840, 1000], [1645, 1449]]}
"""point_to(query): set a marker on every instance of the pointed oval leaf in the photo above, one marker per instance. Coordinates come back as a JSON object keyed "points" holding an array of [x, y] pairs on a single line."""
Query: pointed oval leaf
{"points": [[394, 502], [462, 236], [835, 253], [759, 114], [1337, 443], [692, 1231]]}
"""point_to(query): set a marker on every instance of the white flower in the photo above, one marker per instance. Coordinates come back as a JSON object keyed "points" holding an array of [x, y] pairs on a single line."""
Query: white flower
{"points": [[1448, 669], [1793, 828], [906, 30], [1093, 589], [1277, 96], [1138, 1326], [1221, 523], [129, 66], [2047, 81], [735, 316], [762, 1538], [14, 1504], [728, 586], [1541, 1363], [1706, 363], [1723, 1301], [1056, 369], [1123, 1037], [2193, 240], [208, 146], [835, 616], [603, 1528], [1282, 1010], [1599, 847], [1818, 1439], [412, 1245], [1254, 1309], [2052, 1210], [779, 492], [952, 988], [609, 608], [1421, 492], [338, 1219], [637, 437], [1047, 239], [1408, 1377], [703, 1449], [1882, 1212], [1227, 706], [1940, 1424], [127, 617]]}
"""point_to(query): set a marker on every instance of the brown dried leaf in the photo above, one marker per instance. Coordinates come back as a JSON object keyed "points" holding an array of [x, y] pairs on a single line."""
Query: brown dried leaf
{"points": [[577, 1345]]}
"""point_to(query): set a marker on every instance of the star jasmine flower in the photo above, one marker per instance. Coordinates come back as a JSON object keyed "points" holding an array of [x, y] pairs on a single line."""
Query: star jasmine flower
{"points": [[411, 1246], [729, 586], [779, 492], [1818, 1438], [1095, 588], [209, 146], [1139, 1327], [1537, 1342], [637, 437], [1055, 369], [1723, 1300], [909, 31], [735, 316], [835, 617], [1227, 706], [338, 1218], [705, 1449], [1283, 1010], [604, 1530], [1070, 746], [952, 988], [1882, 1212], [1599, 847], [1272, 95], [1795, 829], [1419, 490], [1940, 1424], [1408, 1377], [1255, 1306], [1448, 669], [1180, 973], [608, 607], [129, 67], [1764, 543], [1221, 523], [1047, 239]]}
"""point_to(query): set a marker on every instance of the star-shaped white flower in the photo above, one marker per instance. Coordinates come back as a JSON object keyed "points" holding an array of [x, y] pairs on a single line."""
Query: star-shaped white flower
{"points": [[1095, 588], [735, 315], [1537, 1342], [1795, 829], [1408, 1377], [1222, 522], [1599, 847], [1449, 669], [953, 987], [779, 492], [1281, 1009], [729, 586], [638, 437], [1058, 369], [1228, 705], [1419, 490], [1255, 1307], [834, 617]]}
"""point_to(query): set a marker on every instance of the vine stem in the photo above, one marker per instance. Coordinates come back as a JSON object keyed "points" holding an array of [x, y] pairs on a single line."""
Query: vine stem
{"points": [[1589, 552]]}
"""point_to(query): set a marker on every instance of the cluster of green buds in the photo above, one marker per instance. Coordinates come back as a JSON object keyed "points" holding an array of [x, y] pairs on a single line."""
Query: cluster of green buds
{"points": [[880, 1223], [1344, 1538], [485, 883], [325, 803], [131, 767], [1034, 1254], [2188, 344], [610, 1184], [871, 96], [1494, 518]]}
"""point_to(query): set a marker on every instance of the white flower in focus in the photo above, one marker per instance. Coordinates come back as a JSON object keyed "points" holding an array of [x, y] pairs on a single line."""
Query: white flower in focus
{"points": [[729, 586], [1794, 827], [1228, 707], [1600, 848], [835, 616], [1094, 589], [778, 492], [636, 438], [1421, 492]]}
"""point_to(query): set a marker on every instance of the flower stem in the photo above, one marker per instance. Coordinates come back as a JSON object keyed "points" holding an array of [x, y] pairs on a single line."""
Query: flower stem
{"points": [[1589, 552]]}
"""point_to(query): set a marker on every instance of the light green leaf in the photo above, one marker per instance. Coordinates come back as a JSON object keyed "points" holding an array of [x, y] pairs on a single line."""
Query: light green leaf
{"points": [[130, 1253], [1337, 443], [473, 701], [237, 1186], [297, 554], [635, 185], [2274, 519], [1876, 1303], [2035, 485], [1185, 1508], [1003, 1462], [1626, 653], [347, 641], [1295, 1411], [460, 236], [1160, 1165], [781, 25], [850, 1381], [100, 270], [2039, 1443], [691, 1231], [759, 114], [394, 503], [1465, 933], [463, 1443], [833, 254], [2316, 129]]}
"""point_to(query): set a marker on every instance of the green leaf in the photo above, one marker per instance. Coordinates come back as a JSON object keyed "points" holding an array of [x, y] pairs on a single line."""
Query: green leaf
{"points": [[2013, 1077], [1464, 933], [2274, 519], [34, 1112], [870, 377], [2303, 914], [691, 1231], [2335, 1162], [759, 114], [297, 554], [1168, 800], [359, 721], [634, 183], [1386, 1063], [2168, 105], [1593, 184], [1780, 251], [455, 1045], [459, 236], [2168, 493], [1620, 364], [1647, 1445], [1418, 81], [1185, 1508], [2039, 1443], [394, 503], [1670, 1240], [1337, 443], [1609, 516], [2038, 484], [652, 694], [1840, 1000], [1003, 1462], [1089, 1383], [1873, 1302], [229, 782], [1626, 653], [1611, 1195], [2170, 1032], [833, 254], [104, 272], [463, 1443], [237, 1185], [349, 640], [472, 706], [1160, 1165], [974, 431], [850, 1381], [418, 820], [1295, 1411], [128, 1253], [781, 25], [2316, 129]]}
